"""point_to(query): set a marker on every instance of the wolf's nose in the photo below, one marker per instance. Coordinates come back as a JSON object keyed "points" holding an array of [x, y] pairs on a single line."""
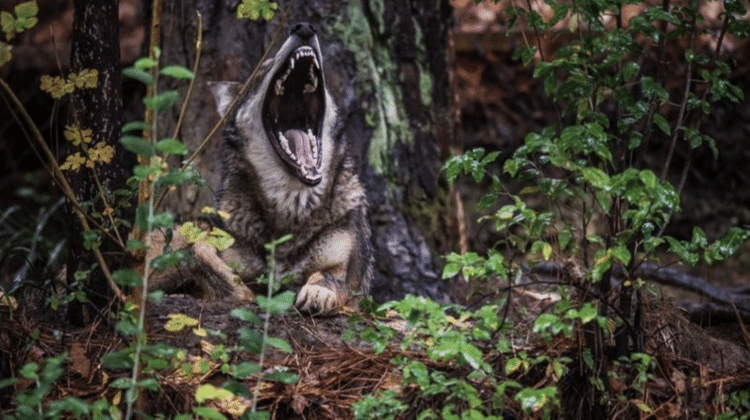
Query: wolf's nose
{"points": [[303, 29]]}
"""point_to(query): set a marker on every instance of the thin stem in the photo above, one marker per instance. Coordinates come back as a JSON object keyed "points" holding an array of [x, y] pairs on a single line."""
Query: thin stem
{"points": [[57, 174], [683, 108], [198, 46]]}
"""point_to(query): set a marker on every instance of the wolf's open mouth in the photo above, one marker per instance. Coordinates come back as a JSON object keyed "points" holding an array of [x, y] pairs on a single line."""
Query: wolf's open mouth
{"points": [[293, 113]]}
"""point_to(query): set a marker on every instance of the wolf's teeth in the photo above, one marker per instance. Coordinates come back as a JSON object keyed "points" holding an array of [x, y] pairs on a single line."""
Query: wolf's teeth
{"points": [[279, 88], [311, 87], [285, 145], [314, 143], [291, 63]]}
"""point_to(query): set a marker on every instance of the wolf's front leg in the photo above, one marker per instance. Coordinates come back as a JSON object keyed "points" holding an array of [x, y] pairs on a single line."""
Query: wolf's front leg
{"points": [[339, 269]]}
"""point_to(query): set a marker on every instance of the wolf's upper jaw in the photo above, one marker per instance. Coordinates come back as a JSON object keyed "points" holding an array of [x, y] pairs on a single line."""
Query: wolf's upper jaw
{"points": [[294, 110]]}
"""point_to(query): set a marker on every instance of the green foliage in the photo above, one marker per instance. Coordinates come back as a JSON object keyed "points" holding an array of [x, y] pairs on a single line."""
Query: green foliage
{"points": [[255, 9], [585, 170], [24, 18]]}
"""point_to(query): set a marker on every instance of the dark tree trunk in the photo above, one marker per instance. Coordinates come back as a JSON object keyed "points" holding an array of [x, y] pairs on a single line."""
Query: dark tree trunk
{"points": [[95, 45], [386, 67]]}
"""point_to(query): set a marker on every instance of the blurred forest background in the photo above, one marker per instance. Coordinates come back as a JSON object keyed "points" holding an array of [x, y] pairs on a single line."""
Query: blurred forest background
{"points": [[496, 102], [482, 96]]}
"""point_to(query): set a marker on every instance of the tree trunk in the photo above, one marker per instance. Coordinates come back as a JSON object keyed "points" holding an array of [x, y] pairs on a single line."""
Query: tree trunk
{"points": [[385, 63], [95, 45]]}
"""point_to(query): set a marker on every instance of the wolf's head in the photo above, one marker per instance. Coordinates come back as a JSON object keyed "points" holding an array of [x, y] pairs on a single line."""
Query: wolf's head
{"points": [[288, 110]]}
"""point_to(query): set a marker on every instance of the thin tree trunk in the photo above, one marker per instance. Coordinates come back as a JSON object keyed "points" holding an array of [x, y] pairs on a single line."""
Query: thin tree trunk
{"points": [[95, 45]]}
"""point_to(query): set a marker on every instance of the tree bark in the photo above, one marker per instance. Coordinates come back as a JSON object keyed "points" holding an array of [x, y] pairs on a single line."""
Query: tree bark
{"points": [[385, 63], [95, 45]]}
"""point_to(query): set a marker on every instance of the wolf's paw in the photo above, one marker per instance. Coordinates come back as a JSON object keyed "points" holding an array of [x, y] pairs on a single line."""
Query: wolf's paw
{"points": [[314, 298]]}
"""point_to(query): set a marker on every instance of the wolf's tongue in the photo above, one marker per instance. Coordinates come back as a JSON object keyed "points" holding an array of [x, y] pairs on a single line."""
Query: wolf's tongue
{"points": [[302, 147]]}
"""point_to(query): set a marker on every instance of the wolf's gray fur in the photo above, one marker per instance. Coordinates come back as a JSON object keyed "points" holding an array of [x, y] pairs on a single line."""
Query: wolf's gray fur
{"points": [[285, 169]]}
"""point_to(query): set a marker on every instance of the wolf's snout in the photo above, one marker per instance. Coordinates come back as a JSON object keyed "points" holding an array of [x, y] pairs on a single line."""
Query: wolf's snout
{"points": [[303, 29]]}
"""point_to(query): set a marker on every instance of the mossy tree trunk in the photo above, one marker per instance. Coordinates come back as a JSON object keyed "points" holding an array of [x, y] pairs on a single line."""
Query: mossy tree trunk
{"points": [[95, 45], [386, 66]]}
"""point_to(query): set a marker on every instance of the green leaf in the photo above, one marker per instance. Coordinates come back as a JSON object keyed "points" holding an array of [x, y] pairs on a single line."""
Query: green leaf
{"points": [[168, 259], [512, 365], [144, 63], [29, 371], [451, 270], [162, 101], [629, 71], [134, 126], [27, 9], [280, 344], [137, 145], [140, 75], [662, 123], [127, 278], [621, 254], [245, 369], [472, 355], [178, 72], [245, 315], [209, 413], [648, 177], [171, 147], [653, 90], [596, 177], [283, 376], [602, 263], [117, 360], [542, 247], [121, 383], [178, 177], [278, 304], [587, 313]]}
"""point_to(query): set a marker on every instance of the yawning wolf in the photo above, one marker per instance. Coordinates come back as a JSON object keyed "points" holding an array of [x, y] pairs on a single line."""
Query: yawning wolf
{"points": [[285, 170]]}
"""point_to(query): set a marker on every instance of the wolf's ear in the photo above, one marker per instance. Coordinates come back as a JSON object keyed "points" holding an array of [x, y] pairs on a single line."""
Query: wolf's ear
{"points": [[224, 94]]}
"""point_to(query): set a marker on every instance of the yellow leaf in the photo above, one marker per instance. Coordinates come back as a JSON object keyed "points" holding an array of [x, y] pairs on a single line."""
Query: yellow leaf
{"points": [[191, 232], [117, 398], [209, 392], [8, 301], [77, 136], [86, 78], [5, 54], [8, 23], [56, 86], [73, 162], [177, 322], [101, 153], [220, 239]]}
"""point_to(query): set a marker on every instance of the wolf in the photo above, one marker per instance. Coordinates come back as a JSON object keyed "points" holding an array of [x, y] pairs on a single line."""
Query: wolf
{"points": [[285, 170]]}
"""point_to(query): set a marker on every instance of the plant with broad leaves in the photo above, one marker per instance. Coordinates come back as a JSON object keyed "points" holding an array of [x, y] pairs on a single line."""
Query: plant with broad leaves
{"points": [[255, 9]]}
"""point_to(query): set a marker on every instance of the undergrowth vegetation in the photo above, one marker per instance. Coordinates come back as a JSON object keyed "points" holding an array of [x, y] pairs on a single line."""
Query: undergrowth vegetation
{"points": [[582, 354]]}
